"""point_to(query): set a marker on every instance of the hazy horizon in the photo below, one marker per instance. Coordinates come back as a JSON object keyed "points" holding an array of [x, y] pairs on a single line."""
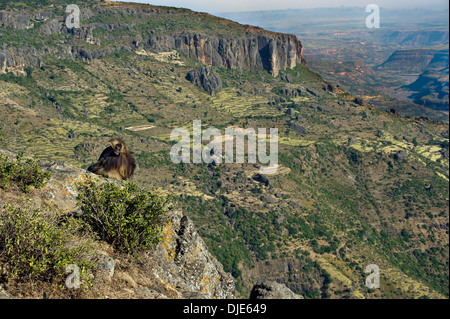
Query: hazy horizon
{"points": [[215, 6]]}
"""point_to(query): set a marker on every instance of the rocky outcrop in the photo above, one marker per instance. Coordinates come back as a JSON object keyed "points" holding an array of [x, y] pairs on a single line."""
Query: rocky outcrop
{"points": [[15, 60], [266, 289], [266, 50], [291, 92], [4, 294], [262, 178], [6, 61], [400, 156], [183, 261], [15, 20], [312, 92], [205, 78], [181, 265], [359, 101], [300, 129]]}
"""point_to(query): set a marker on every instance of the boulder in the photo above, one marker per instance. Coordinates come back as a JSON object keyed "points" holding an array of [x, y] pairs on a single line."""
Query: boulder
{"points": [[312, 92], [290, 111], [359, 101], [267, 199], [286, 78], [262, 179], [206, 79], [298, 128], [400, 156]]}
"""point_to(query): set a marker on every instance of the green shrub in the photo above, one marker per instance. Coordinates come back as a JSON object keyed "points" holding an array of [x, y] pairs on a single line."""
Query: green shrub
{"points": [[23, 172], [35, 247], [124, 216], [354, 156]]}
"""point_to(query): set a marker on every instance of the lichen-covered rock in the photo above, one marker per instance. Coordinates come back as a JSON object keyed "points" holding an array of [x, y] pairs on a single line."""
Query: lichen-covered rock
{"points": [[183, 260], [62, 186]]}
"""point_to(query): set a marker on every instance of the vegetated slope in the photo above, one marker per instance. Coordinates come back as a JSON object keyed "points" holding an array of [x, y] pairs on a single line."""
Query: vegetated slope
{"points": [[124, 242], [356, 185]]}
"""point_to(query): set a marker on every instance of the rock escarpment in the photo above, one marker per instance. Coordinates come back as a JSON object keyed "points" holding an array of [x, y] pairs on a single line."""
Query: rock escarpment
{"points": [[243, 48], [266, 50]]}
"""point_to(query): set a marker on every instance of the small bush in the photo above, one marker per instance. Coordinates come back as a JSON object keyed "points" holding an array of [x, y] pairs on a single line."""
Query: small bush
{"points": [[124, 216], [354, 156], [23, 172], [34, 247]]}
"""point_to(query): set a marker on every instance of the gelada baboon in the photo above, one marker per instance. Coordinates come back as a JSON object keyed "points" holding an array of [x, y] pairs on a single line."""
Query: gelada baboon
{"points": [[116, 161]]}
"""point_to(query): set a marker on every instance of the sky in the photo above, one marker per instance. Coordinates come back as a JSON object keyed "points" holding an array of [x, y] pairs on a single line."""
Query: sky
{"points": [[217, 6]]}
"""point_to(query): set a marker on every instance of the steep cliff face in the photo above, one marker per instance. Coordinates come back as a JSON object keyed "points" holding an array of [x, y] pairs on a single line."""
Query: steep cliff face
{"points": [[6, 61], [269, 51], [238, 47]]}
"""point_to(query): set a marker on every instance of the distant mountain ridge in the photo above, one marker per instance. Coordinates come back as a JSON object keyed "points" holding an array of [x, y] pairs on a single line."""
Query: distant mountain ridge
{"points": [[401, 49], [413, 61], [235, 46], [432, 86]]}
